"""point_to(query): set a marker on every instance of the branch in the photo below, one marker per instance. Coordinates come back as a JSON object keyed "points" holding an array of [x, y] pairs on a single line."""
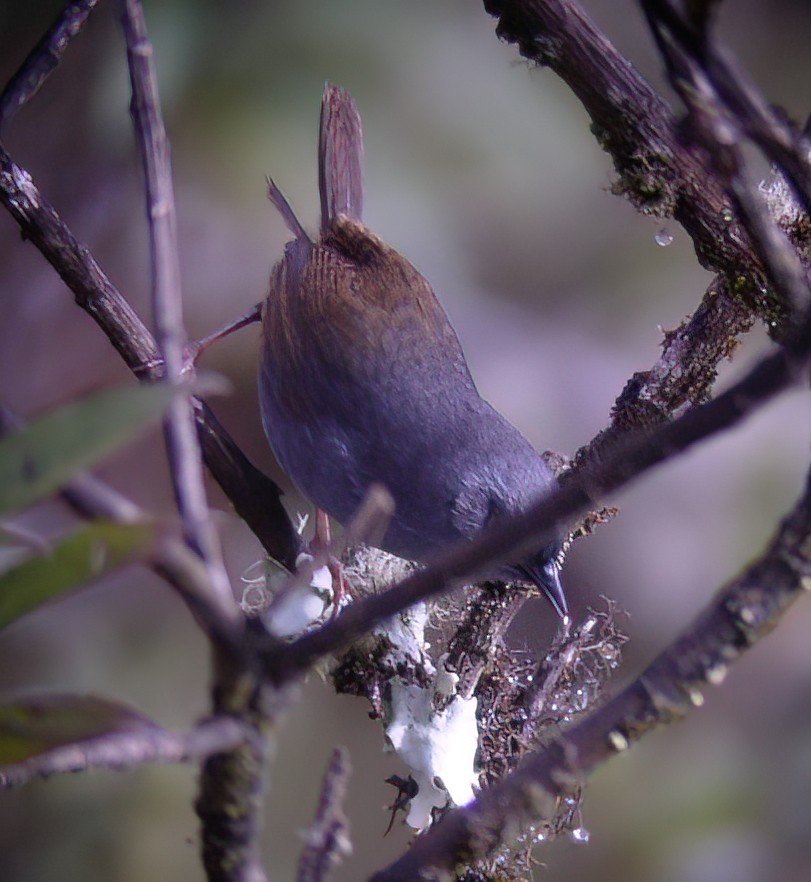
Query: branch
{"points": [[327, 838], [781, 142], [578, 494], [660, 175], [43, 59], [122, 751], [182, 443], [255, 497], [230, 802], [632, 123], [170, 559], [93, 499], [741, 614], [724, 109]]}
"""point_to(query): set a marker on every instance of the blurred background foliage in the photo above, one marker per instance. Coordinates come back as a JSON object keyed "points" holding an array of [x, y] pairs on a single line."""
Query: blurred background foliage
{"points": [[482, 171]]}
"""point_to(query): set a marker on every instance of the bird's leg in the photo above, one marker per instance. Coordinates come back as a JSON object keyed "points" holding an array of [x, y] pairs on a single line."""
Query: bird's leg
{"points": [[194, 350], [322, 542]]}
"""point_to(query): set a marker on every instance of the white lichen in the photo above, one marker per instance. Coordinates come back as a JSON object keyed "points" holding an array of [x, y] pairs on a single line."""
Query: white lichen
{"points": [[296, 603], [437, 740], [438, 746]]}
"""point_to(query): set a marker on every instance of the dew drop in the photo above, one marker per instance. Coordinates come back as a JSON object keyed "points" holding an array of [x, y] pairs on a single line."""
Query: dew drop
{"points": [[617, 740], [608, 652], [716, 674], [663, 238], [695, 695], [580, 834]]}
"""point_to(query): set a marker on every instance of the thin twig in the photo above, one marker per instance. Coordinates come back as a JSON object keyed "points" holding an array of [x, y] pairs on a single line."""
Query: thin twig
{"points": [[230, 804], [327, 838], [630, 120], [782, 143], [255, 497], [725, 109], [169, 557], [128, 750], [43, 59], [181, 438]]}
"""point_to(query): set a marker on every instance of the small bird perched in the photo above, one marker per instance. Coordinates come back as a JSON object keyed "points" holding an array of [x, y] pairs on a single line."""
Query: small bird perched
{"points": [[362, 381]]}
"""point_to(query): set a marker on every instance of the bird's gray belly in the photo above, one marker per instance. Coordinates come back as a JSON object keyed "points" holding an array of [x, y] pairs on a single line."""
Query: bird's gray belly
{"points": [[333, 466]]}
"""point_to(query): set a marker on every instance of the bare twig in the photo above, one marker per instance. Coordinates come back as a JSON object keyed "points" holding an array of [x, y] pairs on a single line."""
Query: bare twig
{"points": [[181, 439], [725, 109], [782, 143], [129, 750], [683, 375], [229, 805], [169, 557], [43, 59], [660, 175], [631, 122], [327, 838], [741, 614], [183, 570], [255, 496]]}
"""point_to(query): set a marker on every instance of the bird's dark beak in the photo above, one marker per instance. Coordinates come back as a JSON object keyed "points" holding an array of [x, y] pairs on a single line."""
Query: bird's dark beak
{"points": [[545, 573]]}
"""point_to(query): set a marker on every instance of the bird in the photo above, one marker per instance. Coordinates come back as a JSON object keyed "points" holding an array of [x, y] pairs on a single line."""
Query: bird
{"points": [[363, 381]]}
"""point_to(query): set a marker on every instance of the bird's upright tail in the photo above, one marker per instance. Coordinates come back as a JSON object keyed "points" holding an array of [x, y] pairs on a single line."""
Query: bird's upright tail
{"points": [[340, 155]]}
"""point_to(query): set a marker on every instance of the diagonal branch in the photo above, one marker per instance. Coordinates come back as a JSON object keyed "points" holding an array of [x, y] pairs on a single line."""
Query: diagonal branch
{"points": [[724, 110], [633, 124], [578, 494], [781, 142], [660, 175], [43, 59], [740, 615], [255, 497]]}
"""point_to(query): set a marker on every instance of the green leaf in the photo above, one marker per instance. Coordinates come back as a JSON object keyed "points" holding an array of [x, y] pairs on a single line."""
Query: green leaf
{"points": [[42, 457], [33, 726], [84, 556]]}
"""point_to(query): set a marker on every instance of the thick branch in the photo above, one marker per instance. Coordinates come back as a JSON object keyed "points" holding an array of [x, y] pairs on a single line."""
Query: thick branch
{"points": [[657, 171]]}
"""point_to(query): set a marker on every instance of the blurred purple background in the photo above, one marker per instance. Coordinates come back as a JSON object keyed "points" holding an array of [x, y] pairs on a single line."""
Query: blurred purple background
{"points": [[482, 172]]}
